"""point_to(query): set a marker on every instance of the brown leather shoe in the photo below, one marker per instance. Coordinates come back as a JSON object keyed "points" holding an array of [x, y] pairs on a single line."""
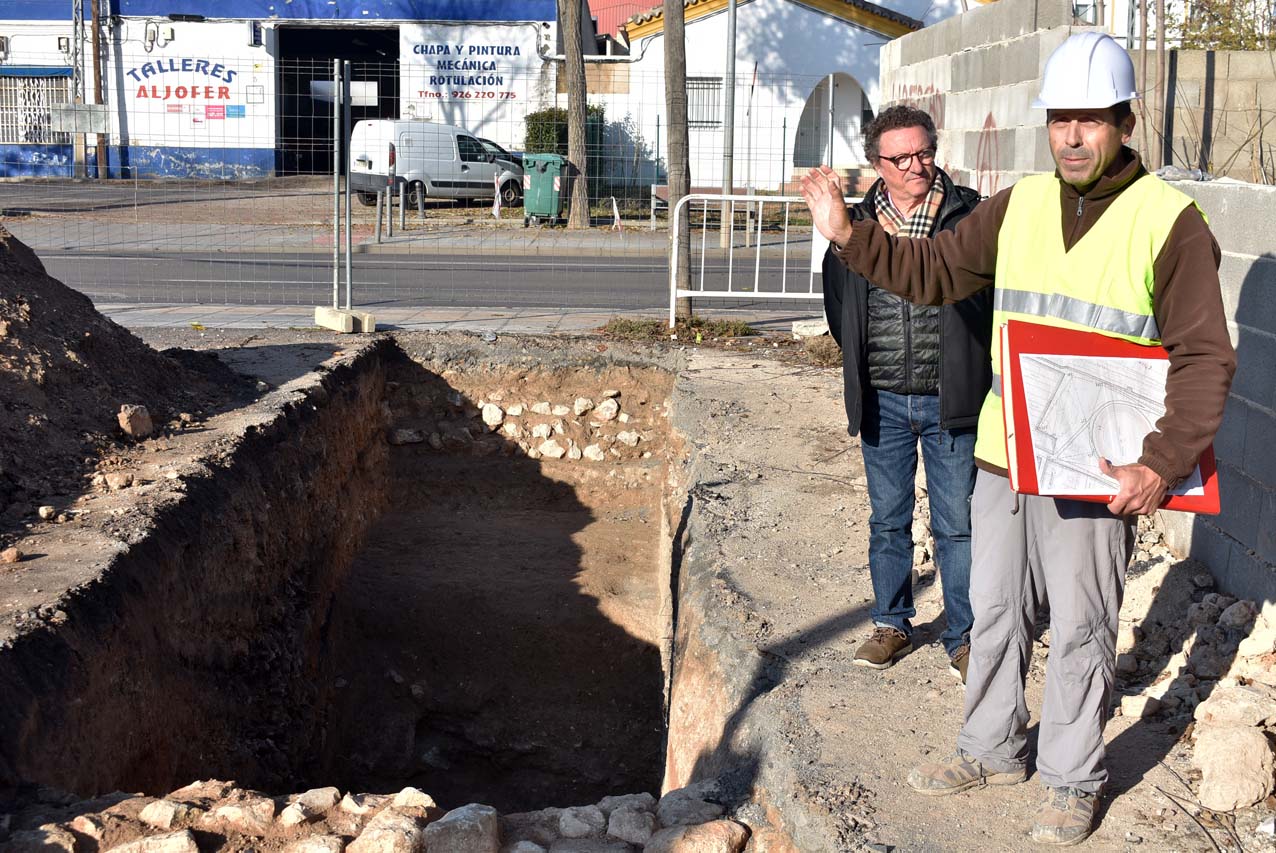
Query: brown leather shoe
{"points": [[959, 662], [1065, 818], [883, 648]]}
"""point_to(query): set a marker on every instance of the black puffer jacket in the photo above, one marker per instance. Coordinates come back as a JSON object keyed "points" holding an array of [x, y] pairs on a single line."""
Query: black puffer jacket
{"points": [[965, 328]]}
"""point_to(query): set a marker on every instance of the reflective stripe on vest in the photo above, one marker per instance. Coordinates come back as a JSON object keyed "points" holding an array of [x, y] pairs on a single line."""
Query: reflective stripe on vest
{"points": [[1103, 284], [1061, 307]]}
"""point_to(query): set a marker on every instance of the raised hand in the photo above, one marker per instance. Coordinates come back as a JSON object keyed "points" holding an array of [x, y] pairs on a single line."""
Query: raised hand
{"points": [[822, 190]]}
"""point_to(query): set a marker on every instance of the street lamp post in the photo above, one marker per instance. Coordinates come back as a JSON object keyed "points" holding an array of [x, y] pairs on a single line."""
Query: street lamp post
{"points": [[728, 130]]}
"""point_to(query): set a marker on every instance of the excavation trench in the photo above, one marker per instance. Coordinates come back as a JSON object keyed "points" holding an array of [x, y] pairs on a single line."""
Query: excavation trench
{"points": [[374, 585]]}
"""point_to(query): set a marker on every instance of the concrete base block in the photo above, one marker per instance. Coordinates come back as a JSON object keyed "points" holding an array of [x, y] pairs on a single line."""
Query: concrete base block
{"points": [[344, 321], [810, 328], [364, 322]]}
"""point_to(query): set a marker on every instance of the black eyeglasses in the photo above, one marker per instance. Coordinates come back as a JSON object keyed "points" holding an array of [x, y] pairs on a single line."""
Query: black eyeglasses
{"points": [[903, 161]]}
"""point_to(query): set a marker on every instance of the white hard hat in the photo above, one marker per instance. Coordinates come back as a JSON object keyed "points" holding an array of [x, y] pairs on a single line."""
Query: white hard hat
{"points": [[1088, 71]]}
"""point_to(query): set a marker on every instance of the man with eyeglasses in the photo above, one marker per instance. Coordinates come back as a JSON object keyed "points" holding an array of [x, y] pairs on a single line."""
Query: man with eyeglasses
{"points": [[912, 374], [1099, 245]]}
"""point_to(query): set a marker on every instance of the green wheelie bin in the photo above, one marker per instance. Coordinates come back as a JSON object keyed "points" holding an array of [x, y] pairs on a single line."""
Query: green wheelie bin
{"points": [[544, 187]]}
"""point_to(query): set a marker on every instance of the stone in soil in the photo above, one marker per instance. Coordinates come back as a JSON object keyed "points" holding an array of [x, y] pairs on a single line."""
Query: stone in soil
{"points": [[551, 449], [319, 800], [678, 808], [252, 816], [414, 798], [164, 814], [390, 832], [11, 555], [470, 829], [632, 824], [492, 415], [173, 842], [117, 480], [1236, 764], [135, 421], [317, 844], [363, 804], [718, 836], [643, 801], [607, 410], [1139, 705], [1238, 615], [1238, 705], [582, 822], [49, 838]]}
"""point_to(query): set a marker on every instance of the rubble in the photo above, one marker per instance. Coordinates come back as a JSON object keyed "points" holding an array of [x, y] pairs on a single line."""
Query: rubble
{"points": [[324, 820]]}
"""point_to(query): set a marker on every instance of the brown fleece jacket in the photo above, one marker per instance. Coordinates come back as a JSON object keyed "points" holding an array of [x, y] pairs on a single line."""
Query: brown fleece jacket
{"points": [[1186, 299]]}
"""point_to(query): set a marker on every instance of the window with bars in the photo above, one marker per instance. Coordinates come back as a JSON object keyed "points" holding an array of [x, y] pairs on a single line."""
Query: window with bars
{"points": [[26, 109], [704, 101]]}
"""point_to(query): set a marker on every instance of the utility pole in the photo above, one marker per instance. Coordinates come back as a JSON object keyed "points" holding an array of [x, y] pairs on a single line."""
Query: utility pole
{"points": [[728, 131], [77, 82], [830, 121], [99, 85], [1159, 129], [1143, 76]]}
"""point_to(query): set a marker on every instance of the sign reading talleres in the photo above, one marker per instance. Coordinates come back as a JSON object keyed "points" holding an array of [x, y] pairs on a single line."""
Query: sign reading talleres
{"points": [[184, 79]]}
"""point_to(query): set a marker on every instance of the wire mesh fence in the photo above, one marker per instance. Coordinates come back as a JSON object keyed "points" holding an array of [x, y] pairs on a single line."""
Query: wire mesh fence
{"points": [[213, 181]]}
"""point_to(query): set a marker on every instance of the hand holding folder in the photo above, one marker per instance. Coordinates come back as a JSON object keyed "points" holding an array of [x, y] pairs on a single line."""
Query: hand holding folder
{"points": [[1071, 398]]}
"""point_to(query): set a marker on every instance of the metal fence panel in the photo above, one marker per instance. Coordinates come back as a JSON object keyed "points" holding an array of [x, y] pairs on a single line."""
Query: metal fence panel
{"points": [[214, 186]]}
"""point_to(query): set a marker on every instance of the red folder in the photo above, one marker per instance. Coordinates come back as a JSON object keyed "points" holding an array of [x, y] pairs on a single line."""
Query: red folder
{"points": [[1080, 410]]}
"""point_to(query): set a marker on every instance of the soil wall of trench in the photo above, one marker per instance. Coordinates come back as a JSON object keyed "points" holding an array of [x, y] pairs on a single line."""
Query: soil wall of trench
{"points": [[200, 646]]}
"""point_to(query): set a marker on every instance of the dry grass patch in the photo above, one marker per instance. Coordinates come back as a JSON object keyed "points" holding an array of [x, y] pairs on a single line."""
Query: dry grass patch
{"points": [[823, 351], [697, 329]]}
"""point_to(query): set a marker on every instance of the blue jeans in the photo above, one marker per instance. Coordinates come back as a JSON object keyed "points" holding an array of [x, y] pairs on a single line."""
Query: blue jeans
{"points": [[891, 427]]}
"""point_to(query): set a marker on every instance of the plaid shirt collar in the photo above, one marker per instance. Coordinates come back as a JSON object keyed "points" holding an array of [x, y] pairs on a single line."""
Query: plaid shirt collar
{"points": [[922, 219]]}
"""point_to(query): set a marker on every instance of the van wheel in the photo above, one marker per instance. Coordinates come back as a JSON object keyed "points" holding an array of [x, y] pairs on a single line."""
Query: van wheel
{"points": [[367, 199], [511, 194], [416, 190]]}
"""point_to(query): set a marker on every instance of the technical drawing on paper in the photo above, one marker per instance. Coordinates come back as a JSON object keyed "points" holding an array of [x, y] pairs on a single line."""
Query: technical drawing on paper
{"points": [[1084, 408]]}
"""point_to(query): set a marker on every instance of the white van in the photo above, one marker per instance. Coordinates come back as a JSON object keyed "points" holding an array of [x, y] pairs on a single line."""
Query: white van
{"points": [[438, 159]]}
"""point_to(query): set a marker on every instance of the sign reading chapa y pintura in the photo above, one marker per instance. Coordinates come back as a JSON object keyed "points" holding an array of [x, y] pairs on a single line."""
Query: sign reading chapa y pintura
{"points": [[468, 63], [182, 79]]}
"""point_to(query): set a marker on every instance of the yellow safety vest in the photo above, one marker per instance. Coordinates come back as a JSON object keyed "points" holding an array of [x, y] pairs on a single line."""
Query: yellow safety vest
{"points": [[1104, 284]]}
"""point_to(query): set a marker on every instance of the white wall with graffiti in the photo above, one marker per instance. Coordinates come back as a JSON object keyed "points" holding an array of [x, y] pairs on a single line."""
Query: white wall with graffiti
{"points": [[192, 99]]}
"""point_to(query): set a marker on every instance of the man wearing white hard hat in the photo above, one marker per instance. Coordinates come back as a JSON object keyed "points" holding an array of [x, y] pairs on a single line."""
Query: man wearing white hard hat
{"points": [[1101, 245]]}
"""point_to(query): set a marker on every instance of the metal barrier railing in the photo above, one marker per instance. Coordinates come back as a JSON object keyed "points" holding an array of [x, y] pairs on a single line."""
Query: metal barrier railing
{"points": [[769, 234]]}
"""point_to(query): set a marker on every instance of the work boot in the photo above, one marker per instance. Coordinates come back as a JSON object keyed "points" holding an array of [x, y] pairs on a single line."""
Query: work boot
{"points": [[883, 648], [957, 773], [1066, 817], [959, 662]]}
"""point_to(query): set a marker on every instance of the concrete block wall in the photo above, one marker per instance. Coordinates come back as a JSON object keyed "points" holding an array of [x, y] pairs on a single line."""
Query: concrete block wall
{"points": [[1222, 106], [977, 74], [1239, 545]]}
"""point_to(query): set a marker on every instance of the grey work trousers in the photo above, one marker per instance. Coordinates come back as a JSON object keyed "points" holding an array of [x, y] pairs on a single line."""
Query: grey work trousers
{"points": [[1072, 554]]}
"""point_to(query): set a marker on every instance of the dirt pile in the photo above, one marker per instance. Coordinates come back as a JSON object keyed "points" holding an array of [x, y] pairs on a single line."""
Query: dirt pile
{"points": [[65, 372]]}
